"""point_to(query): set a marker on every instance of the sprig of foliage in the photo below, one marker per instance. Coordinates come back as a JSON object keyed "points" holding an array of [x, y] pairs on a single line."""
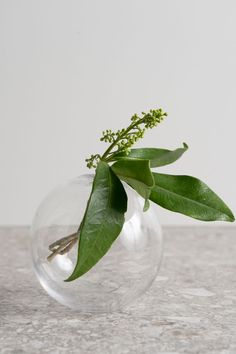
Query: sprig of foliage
{"points": [[108, 200]]}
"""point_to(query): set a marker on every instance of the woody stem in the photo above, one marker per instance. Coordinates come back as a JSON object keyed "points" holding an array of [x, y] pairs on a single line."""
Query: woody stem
{"points": [[63, 245]]}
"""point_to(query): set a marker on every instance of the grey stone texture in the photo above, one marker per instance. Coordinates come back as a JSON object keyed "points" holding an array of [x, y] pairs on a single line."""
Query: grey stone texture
{"points": [[190, 308]]}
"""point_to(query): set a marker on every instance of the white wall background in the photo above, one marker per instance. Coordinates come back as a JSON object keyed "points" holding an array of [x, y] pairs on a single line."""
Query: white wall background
{"points": [[69, 69]]}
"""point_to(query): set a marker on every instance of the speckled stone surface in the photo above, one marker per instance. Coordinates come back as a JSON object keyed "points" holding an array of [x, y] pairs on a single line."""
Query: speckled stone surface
{"points": [[191, 307]]}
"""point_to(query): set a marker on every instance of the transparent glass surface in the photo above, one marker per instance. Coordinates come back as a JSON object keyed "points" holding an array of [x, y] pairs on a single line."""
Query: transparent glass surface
{"points": [[123, 274]]}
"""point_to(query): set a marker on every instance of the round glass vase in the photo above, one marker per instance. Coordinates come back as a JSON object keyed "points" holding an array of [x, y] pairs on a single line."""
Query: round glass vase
{"points": [[125, 272]]}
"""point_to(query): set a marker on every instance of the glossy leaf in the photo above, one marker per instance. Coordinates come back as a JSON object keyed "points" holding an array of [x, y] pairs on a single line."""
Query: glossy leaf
{"points": [[157, 157], [103, 219], [189, 196], [137, 173]]}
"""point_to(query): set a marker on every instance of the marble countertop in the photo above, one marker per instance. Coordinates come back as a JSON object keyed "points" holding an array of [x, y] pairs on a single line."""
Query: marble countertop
{"points": [[191, 307]]}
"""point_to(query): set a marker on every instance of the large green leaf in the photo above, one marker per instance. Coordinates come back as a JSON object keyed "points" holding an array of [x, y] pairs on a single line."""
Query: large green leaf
{"points": [[189, 196], [137, 173], [157, 157], [103, 219]]}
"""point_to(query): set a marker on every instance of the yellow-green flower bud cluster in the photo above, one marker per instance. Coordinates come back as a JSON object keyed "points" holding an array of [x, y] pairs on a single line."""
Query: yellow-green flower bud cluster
{"points": [[122, 140], [93, 160], [153, 118]]}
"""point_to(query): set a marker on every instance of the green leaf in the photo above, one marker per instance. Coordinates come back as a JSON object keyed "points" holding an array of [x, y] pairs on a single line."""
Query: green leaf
{"points": [[103, 219], [137, 173], [189, 196], [157, 157]]}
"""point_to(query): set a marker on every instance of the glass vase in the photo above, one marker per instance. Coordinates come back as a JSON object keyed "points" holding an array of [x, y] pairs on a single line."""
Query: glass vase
{"points": [[122, 275]]}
